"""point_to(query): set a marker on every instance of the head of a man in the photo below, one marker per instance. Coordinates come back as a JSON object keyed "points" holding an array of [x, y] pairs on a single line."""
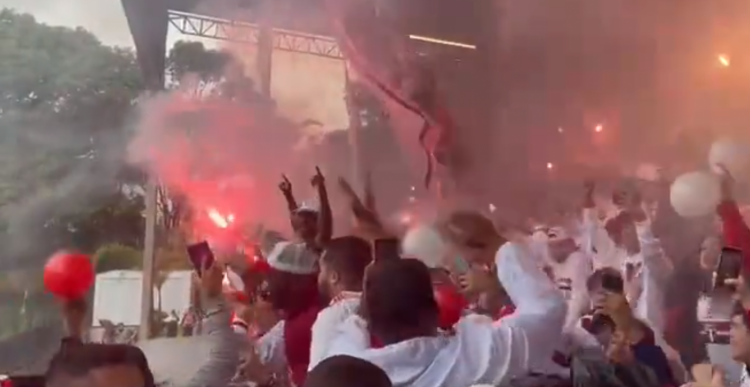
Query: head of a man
{"points": [[560, 244], [346, 371], [305, 223], [739, 334], [603, 282], [99, 365], [472, 235], [342, 266], [292, 282], [398, 300]]}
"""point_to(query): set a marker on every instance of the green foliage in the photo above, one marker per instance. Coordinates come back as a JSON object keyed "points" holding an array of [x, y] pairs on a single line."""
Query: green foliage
{"points": [[117, 257], [193, 58]]}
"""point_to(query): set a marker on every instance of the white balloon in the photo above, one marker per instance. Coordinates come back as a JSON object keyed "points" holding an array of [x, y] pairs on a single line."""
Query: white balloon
{"points": [[732, 154], [425, 243], [695, 194]]}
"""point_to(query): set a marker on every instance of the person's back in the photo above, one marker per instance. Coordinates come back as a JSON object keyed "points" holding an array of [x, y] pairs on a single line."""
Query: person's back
{"points": [[476, 352]]}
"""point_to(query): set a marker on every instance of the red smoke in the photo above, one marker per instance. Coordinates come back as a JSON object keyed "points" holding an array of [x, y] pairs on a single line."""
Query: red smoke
{"points": [[225, 157]]}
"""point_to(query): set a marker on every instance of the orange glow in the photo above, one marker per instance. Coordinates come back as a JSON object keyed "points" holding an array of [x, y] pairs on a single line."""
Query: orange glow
{"points": [[724, 60], [218, 219]]}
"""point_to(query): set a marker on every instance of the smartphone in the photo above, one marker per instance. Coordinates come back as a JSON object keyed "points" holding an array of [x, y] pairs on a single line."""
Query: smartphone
{"points": [[386, 249], [201, 256], [729, 267]]}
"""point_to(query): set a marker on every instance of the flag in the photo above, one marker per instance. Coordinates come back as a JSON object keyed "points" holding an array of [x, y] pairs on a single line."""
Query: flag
{"points": [[378, 55]]}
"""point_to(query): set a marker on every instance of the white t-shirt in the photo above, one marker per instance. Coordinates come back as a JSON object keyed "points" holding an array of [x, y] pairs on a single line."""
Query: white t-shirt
{"points": [[477, 352], [714, 315]]}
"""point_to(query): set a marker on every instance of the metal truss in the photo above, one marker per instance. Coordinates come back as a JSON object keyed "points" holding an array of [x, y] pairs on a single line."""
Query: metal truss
{"points": [[284, 40]]}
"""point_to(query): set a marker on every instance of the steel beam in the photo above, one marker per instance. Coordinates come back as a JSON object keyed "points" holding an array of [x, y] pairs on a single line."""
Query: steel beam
{"points": [[284, 40]]}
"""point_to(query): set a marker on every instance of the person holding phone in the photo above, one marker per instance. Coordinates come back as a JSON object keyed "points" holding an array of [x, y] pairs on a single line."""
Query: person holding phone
{"points": [[736, 233]]}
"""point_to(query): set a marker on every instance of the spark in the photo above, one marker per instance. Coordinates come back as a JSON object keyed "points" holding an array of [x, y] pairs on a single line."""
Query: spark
{"points": [[560, 130], [599, 128], [724, 60], [550, 165], [492, 207]]}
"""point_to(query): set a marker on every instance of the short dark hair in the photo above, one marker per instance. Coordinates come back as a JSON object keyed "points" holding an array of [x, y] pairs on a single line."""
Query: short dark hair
{"points": [[398, 295], [607, 278], [346, 371], [79, 360], [348, 255]]}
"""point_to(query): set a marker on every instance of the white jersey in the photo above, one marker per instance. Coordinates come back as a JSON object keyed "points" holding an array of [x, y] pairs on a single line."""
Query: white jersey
{"points": [[571, 274], [570, 277], [714, 315]]}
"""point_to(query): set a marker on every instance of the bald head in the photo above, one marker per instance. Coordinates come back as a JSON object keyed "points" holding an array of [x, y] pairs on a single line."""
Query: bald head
{"points": [[346, 371]]}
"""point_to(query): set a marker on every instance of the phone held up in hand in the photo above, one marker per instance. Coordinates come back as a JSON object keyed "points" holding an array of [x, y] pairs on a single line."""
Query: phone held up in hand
{"points": [[201, 256], [729, 268]]}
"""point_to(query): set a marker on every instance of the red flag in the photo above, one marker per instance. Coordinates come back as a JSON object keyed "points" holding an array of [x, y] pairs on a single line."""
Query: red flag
{"points": [[377, 53]]}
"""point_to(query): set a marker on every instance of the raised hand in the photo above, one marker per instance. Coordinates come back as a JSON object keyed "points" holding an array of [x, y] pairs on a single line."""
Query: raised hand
{"points": [[727, 182], [285, 186], [366, 220], [317, 180]]}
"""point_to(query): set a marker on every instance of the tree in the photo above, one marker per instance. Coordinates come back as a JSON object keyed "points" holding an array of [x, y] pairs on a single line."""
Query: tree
{"points": [[64, 99]]}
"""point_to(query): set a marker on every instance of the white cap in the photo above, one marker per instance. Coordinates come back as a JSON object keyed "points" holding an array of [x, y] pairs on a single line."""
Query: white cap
{"points": [[307, 207], [294, 258]]}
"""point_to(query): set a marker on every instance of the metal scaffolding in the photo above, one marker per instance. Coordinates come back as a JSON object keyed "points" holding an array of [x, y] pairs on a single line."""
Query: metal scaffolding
{"points": [[284, 40]]}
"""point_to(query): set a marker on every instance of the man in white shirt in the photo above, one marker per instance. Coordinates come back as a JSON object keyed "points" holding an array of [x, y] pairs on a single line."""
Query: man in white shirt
{"points": [[402, 313], [569, 268], [342, 271]]}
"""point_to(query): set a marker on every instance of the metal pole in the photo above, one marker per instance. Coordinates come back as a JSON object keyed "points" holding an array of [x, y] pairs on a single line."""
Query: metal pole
{"points": [[264, 61], [147, 291], [355, 128]]}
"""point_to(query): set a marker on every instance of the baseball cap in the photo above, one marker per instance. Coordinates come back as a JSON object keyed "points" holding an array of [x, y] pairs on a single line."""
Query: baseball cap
{"points": [[307, 207], [294, 258]]}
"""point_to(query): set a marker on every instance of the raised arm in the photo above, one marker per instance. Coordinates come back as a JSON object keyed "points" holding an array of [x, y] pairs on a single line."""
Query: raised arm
{"points": [[286, 189], [325, 217], [534, 330], [736, 232], [225, 346]]}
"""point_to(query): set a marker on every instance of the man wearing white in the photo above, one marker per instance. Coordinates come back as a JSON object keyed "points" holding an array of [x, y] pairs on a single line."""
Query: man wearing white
{"points": [[402, 313]]}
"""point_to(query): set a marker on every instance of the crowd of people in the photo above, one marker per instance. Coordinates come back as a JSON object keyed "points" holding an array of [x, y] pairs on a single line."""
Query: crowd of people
{"points": [[586, 302]]}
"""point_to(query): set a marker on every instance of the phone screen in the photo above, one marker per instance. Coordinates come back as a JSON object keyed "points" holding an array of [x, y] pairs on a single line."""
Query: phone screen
{"points": [[386, 249], [729, 267], [200, 255]]}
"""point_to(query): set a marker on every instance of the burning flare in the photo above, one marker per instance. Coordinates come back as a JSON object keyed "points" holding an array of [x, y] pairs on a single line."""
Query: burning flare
{"points": [[220, 220]]}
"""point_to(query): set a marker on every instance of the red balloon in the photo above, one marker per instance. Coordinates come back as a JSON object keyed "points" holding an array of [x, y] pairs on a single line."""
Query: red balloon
{"points": [[68, 275], [451, 304]]}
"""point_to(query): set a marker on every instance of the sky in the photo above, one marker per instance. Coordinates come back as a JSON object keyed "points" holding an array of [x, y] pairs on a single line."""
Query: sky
{"points": [[104, 18], [298, 94]]}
